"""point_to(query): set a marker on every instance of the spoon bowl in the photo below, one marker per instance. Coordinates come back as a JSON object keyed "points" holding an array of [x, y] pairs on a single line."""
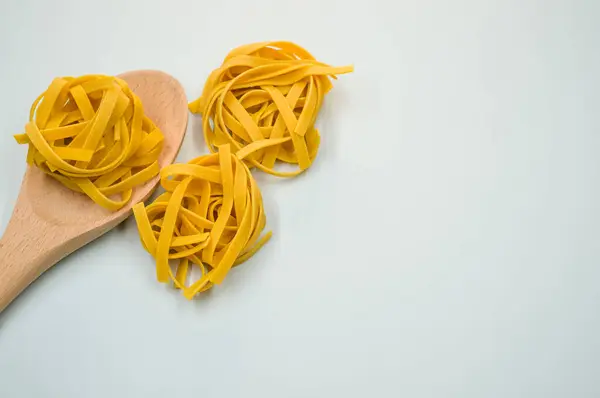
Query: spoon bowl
{"points": [[51, 221]]}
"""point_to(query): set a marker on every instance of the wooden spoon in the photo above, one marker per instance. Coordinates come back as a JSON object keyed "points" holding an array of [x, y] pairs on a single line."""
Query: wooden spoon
{"points": [[50, 221]]}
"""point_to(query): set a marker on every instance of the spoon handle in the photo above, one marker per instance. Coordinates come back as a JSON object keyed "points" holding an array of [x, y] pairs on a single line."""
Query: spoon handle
{"points": [[28, 248]]}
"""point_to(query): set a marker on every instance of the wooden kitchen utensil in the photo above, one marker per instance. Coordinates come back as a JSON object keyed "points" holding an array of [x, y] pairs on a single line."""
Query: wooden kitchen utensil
{"points": [[50, 221]]}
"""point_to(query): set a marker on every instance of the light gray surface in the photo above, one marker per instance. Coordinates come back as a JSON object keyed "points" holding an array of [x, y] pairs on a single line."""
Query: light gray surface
{"points": [[445, 243]]}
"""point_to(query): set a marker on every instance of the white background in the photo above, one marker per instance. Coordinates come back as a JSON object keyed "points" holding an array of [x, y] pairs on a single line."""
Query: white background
{"points": [[444, 244]]}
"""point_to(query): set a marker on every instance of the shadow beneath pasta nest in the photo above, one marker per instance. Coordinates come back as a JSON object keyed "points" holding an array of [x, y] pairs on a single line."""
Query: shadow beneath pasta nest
{"points": [[196, 136], [329, 126], [202, 300]]}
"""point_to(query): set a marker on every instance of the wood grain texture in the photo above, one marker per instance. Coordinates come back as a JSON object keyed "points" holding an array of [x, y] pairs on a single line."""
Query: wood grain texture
{"points": [[50, 221]]}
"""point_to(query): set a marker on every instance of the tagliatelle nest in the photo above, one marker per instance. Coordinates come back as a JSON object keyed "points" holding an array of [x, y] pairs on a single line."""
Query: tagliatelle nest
{"points": [[91, 134], [264, 101], [211, 215]]}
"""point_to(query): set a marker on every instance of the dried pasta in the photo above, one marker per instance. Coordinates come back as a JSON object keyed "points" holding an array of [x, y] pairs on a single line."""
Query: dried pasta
{"points": [[90, 133], [264, 101], [211, 216]]}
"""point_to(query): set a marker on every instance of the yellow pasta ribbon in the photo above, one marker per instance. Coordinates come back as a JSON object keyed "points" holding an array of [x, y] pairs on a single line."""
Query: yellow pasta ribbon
{"points": [[264, 101], [211, 215], [90, 133]]}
